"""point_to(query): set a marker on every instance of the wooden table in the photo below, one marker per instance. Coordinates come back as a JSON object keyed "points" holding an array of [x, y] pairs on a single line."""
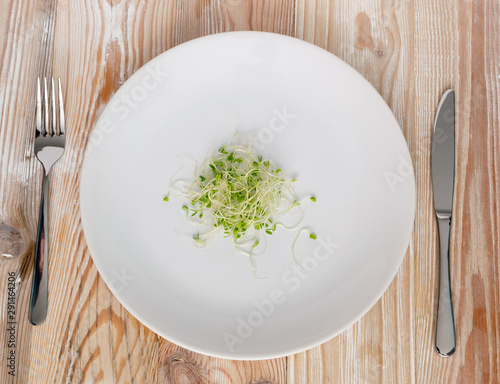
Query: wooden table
{"points": [[411, 51]]}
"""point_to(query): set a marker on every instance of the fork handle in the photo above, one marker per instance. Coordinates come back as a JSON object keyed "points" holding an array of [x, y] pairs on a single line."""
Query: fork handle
{"points": [[39, 289], [445, 324]]}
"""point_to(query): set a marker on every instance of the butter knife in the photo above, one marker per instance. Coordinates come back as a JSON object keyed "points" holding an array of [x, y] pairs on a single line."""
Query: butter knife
{"points": [[443, 169]]}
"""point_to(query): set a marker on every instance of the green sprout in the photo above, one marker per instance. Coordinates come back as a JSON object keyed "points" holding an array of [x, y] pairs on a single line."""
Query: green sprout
{"points": [[242, 195]]}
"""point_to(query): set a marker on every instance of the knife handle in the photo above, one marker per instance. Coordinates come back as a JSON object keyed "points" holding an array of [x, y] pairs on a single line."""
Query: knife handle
{"points": [[445, 324]]}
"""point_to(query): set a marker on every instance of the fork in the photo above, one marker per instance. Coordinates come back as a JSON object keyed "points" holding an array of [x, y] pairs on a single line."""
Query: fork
{"points": [[50, 139]]}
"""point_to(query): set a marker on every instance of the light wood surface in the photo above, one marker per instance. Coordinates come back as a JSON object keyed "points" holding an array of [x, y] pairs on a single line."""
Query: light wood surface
{"points": [[411, 51]]}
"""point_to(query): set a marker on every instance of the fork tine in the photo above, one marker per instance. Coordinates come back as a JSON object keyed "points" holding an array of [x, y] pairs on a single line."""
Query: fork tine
{"points": [[47, 127], [62, 122], [39, 126], [54, 128]]}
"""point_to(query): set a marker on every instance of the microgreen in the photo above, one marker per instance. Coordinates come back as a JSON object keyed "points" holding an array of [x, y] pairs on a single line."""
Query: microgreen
{"points": [[241, 195]]}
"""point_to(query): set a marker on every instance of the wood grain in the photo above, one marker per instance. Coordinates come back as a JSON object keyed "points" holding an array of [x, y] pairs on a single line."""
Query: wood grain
{"points": [[196, 19], [27, 49], [89, 336], [409, 51], [377, 349]]}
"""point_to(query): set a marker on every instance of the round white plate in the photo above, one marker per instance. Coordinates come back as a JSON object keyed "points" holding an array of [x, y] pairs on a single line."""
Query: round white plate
{"points": [[318, 120]]}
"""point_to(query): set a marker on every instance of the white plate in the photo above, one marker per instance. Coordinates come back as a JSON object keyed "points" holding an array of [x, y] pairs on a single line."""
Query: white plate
{"points": [[321, 122]]}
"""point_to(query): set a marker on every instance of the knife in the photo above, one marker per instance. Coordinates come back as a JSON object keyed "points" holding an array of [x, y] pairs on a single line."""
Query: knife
{"points": [[443, 169]]}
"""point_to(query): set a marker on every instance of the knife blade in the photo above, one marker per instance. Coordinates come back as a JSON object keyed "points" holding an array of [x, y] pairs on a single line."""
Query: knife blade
{"points": [[443, 172]]}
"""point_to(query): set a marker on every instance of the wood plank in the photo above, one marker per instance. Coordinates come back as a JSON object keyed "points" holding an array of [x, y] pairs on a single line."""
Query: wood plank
{"points": [[435, 70], [26, 42], [88, 335], [373, 38], [477, 238], [196, 19], [473, 72]]}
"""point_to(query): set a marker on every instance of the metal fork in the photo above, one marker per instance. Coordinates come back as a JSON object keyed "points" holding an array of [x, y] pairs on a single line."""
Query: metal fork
{"points": [[49, 146]]}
